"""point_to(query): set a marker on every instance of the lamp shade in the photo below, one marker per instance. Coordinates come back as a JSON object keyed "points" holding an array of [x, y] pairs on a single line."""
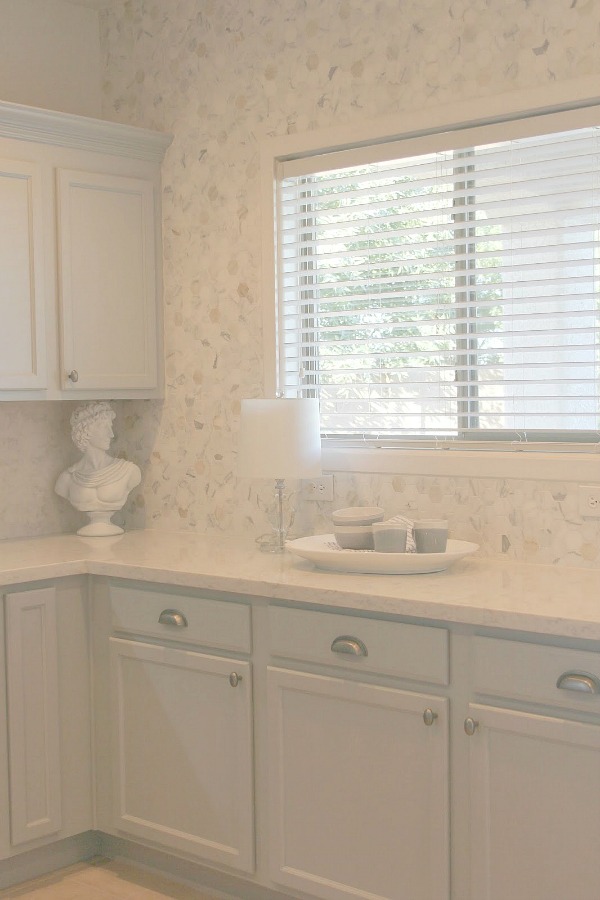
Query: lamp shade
{"points": [[280, 439]]}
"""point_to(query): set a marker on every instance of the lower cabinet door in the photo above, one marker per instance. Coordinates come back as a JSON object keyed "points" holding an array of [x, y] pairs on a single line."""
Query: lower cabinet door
{"points": [[359, 789], [33, 715], [535, 806], [182, 756]]}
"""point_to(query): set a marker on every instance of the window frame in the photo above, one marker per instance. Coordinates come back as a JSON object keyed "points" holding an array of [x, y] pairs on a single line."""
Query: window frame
{"points": [[570, 100]]}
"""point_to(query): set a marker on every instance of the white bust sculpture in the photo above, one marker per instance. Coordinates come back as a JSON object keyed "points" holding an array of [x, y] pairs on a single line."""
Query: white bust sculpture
{"points": [[98, 484]]}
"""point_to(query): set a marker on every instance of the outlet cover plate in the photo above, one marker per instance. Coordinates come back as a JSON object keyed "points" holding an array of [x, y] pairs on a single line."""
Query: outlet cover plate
{"points": [[318, 488], [589, 500]]}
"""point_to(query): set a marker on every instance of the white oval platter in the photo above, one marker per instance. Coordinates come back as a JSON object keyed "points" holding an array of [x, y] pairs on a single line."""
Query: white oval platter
{"points": [[320, 550]]}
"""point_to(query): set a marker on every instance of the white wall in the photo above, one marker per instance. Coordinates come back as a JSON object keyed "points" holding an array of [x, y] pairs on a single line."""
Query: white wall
{"points": [[50, 55], [223, 76]]}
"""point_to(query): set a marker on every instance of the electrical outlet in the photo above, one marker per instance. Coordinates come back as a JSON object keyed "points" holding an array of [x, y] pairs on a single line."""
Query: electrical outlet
{"points": [[589, 501], [318, 488]]}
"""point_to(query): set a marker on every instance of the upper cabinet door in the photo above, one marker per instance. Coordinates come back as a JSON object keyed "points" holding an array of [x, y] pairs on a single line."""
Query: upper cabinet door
{"points": [[22, 336], [107, 282]]}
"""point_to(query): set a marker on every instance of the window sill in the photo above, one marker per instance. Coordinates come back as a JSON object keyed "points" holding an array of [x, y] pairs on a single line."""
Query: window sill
{"points": [[579, 467]]}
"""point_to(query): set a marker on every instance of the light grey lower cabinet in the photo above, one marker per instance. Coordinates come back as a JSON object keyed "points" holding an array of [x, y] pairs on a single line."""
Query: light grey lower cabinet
{"points": [[366, 751], [47, 722], [535, 806], [181, 717], [359, 769], [534, 771], [358, 788], [182, 754]]}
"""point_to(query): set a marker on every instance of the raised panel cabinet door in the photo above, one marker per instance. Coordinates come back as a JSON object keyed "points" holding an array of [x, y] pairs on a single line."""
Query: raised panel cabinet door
{"points": [[535, 806], [33, 715], [358, 789], [22, 335], [182, 756], [107, 282]]}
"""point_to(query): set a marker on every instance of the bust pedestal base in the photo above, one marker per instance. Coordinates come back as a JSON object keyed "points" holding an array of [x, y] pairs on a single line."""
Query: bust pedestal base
{"points": [[100, 524]]}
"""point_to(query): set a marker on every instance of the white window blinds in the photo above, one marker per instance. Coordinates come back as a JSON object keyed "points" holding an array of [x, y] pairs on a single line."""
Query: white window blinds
{"points": [[451, 294]]}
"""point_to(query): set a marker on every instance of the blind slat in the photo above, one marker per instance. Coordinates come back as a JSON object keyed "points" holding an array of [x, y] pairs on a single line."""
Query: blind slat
{"points": [[446, 289]]}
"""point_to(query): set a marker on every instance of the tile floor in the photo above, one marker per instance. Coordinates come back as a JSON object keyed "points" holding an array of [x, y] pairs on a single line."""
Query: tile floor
{"points": [[103, 879]]}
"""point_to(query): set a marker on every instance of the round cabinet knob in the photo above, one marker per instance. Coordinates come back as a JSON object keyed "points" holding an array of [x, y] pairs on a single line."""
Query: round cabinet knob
{"points": [[234, 679], [73, 375], [471, 726], [429, 716]]}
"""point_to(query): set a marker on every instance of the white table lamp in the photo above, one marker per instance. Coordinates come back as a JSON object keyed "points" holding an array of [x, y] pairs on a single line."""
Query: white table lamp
{"points": [[280, 439]]}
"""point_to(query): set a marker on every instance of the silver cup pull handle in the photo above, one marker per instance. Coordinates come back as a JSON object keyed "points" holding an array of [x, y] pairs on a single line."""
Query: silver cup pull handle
{"points": [[345, 643], [172, 617], [581, 682]]}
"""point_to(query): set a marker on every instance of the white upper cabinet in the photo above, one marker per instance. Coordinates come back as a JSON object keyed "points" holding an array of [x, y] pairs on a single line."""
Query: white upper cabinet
{"points": [[22, 342], [107, 283], [80, 257]]}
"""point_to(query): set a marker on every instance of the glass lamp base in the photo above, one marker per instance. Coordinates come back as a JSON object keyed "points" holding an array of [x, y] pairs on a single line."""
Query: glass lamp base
{"points": [[271, 545], [281, 516]]}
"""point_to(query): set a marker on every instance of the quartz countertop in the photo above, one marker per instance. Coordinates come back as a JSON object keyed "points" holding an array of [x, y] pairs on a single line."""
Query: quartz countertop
{"points": [[479, 591]]}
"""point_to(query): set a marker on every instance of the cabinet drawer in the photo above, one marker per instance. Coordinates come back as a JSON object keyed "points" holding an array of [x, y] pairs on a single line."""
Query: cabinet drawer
{"points": [[369, 645], [530, 672], [186, 619]]}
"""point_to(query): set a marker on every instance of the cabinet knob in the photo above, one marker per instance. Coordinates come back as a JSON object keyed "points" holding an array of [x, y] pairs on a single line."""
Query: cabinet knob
{"points": [[73, 375], [172, 617], [582, 682], [234, 679], [429, 716], [471, 726], [347, 644]]}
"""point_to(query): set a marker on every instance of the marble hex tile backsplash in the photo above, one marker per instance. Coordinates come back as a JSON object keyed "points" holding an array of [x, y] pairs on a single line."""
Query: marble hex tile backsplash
{"points": [[534, 521], [223, 75]]}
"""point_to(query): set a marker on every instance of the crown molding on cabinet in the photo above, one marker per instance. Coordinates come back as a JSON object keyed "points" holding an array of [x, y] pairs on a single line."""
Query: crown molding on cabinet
{"points": [[82, 133]]}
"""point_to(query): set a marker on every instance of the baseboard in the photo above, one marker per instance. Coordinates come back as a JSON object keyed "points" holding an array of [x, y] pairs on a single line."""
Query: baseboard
{"points": [[58, 855], [33, 863], [228, 887]]}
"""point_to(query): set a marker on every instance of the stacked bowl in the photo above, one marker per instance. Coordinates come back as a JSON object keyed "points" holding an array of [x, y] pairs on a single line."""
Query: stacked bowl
{"points": [[352, 526]]}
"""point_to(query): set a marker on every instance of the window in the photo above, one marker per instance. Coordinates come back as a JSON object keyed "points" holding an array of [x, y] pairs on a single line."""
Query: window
{"points": [[446, 287]]}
